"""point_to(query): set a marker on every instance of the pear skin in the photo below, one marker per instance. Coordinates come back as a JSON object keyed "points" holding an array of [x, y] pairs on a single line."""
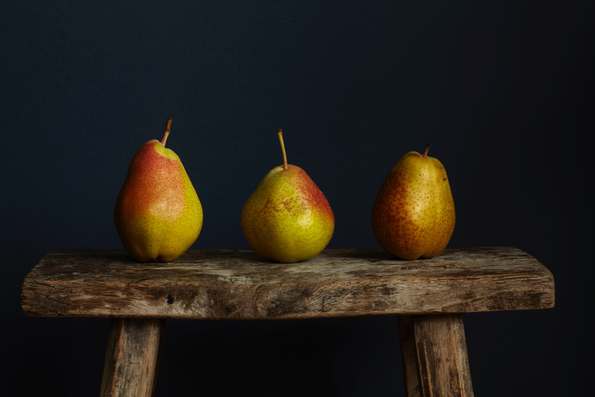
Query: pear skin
{"points": [[287, 218], [158, 214], [414, 212]]}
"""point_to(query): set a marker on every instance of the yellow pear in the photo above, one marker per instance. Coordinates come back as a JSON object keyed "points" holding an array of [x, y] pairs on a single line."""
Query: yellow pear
{"points": [[414, 213], [158, 213], [287, 218]]}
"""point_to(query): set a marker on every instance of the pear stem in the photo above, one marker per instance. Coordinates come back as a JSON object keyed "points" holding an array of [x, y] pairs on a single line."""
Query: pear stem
{"points": [[427, 150], [282, 143], [167, 129]]}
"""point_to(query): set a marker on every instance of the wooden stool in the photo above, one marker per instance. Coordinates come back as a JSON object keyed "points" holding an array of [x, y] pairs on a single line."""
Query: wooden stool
{"points": [[429, 295]]}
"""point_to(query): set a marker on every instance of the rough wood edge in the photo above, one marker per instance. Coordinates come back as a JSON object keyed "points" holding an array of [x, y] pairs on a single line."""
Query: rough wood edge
{"points": [[31, 307]]}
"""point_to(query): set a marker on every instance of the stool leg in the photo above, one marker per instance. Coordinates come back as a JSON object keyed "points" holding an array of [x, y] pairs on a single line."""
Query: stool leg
{"points": [[435, 356], [131, 358]]}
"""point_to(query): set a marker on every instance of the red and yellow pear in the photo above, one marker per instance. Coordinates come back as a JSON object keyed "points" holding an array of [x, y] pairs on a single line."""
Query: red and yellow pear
{"points": [[158, 213], [414, 213], [287, 218]]}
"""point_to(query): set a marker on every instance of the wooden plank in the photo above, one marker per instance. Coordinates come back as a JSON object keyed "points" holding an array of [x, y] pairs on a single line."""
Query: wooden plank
{"points": [[131, 358], [435, 358], [237, 285]]}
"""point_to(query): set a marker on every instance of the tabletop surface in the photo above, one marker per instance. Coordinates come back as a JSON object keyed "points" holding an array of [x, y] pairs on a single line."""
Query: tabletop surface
{"points": [[229, 284]]}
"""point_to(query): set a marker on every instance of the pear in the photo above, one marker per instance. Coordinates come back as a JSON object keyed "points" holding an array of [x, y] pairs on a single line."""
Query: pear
{"points": [[287, 218], [158, 213], [414, 212]]}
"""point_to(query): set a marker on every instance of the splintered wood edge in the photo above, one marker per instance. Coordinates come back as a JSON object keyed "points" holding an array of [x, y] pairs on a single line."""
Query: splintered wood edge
{"points": [[415, 290]]}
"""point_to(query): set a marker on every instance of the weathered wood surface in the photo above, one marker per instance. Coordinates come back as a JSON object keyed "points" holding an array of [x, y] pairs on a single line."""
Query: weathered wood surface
{"points": [[131, 358], [237, 285], [435, 358]]}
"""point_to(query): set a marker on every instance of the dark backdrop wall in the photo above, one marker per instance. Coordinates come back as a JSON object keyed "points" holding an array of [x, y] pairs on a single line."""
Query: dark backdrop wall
{"points": [[502, 90]]}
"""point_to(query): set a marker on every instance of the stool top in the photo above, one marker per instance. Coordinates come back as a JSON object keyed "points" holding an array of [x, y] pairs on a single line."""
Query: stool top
{"points": [[227, 284]]}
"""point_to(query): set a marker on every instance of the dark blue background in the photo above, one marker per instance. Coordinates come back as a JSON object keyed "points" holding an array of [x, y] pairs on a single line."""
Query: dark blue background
{"points": [[502, 90]]}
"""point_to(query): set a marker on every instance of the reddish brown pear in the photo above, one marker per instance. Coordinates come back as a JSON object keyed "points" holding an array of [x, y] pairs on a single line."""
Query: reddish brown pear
{"points": [[414, 213]]}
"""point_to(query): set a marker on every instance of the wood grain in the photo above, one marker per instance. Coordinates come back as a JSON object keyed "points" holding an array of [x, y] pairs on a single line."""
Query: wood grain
{"points": [[225, 284], [131, 358], [435, 358]]}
